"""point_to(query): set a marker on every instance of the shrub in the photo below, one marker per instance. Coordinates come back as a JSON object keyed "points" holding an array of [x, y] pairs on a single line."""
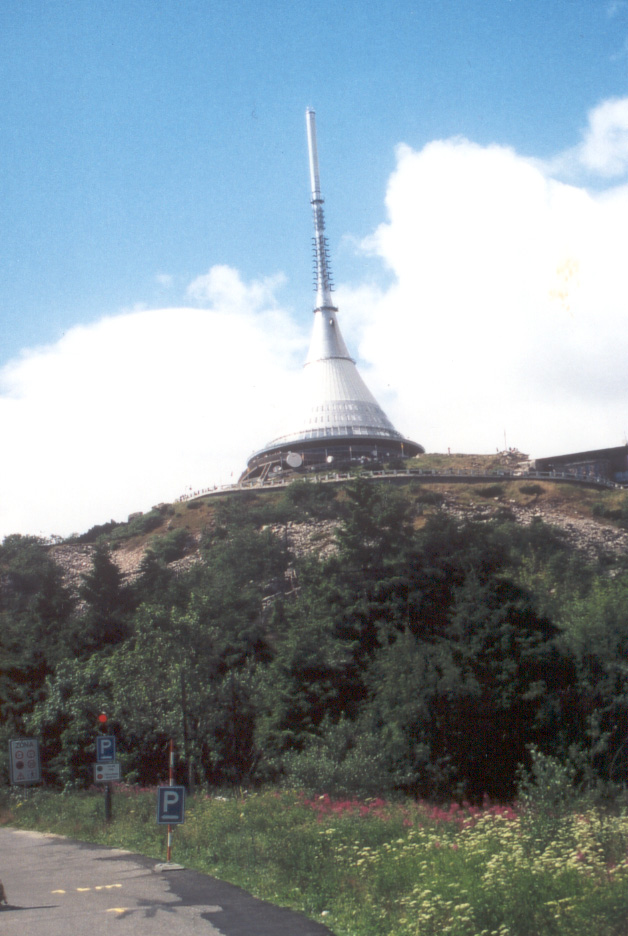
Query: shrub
{"points": [[170, 547], [96, 532], [491, 490], [535, 489], [429, 498], [340, 763], [312, 499], [608, 513], [549, 786]]}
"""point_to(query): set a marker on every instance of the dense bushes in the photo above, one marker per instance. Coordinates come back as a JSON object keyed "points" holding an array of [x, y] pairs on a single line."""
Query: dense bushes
{"points": [[115, 532], [427, 660]]}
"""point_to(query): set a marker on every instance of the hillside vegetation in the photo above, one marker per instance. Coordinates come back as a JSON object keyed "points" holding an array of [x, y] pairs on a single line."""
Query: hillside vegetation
{"points": [[362, 638]]}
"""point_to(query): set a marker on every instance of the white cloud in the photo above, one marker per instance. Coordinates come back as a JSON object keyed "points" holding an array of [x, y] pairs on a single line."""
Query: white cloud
{"points": [[223, 286], [508, 308], [123, 414], [603, 150], [605, 147]]}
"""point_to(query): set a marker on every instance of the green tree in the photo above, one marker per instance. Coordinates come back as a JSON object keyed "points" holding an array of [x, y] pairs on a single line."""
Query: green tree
{"points": [[37, 629], [595, 631], [309, 680], [189, 671], [376, 527], [108, 603]]}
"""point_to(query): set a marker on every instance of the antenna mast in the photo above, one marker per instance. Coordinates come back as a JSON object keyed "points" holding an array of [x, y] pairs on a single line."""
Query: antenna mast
{"points": [[322, 270]]}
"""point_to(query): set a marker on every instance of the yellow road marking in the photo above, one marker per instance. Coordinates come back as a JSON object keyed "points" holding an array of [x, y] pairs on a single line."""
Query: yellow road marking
{"points": [[83, 890]]}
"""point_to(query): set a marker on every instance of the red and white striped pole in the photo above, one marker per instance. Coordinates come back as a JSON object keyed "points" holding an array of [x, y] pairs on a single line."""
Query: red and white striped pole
{"points": [[170, 783]]}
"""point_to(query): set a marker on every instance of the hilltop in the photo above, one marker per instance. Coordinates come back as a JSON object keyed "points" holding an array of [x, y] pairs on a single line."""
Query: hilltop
{"points": [[590, 518]]}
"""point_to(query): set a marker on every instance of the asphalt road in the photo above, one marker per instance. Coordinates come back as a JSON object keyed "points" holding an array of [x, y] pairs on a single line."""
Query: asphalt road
{"points": [[58, 887]]}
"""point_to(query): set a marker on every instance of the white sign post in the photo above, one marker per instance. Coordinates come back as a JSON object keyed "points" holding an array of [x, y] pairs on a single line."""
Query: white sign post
{"points": [[170, 810], [24, 761], [106, 773]]}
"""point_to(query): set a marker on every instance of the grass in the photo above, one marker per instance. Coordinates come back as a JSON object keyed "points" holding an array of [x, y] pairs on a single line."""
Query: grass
{"points": [[460, 462], [375, 868]]}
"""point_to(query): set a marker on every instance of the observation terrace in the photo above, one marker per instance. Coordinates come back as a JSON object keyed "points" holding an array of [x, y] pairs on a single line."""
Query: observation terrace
{"points": [[402, 475]]}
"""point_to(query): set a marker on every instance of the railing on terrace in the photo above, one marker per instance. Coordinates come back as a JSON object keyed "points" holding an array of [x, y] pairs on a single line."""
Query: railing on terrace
{"points": [[333, 477]]}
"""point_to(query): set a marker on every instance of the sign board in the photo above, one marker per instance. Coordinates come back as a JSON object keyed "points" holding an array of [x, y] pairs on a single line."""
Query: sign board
{"points": [[106, 773], [105, 749], [170, 805], [24, 762]]}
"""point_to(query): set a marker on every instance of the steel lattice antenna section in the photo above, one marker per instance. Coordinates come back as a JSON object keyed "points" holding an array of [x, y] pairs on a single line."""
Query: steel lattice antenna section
{"points": [[323, 281]]}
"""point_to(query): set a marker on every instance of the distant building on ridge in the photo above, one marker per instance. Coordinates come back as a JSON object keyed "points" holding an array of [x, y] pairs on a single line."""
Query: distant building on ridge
{"points": [[609, 463], [341, 421]]}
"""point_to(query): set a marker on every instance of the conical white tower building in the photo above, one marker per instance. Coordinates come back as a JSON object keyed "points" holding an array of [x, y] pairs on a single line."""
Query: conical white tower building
{"points": [[341, 421]]}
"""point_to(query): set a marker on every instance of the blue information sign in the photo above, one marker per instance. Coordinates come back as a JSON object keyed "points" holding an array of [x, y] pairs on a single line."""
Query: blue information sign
{"points": [[170, 805], [105, 749]]}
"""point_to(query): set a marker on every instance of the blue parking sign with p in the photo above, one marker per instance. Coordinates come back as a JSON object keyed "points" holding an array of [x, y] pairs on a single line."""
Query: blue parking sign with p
{"points": [[170, 805], [105, 749]]}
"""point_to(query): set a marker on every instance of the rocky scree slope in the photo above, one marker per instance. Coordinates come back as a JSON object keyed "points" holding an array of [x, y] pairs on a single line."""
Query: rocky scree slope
{"points": [[596, 539]]}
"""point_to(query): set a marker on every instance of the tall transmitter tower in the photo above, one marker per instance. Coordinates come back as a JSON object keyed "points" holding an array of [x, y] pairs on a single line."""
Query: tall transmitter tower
{"points": [[341, 421]]}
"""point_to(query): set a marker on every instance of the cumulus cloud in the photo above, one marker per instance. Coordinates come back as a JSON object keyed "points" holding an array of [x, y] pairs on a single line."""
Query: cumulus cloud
{"points": [[223, 286], [505, 320], [131, 411], [603, 150], [605, 147]]}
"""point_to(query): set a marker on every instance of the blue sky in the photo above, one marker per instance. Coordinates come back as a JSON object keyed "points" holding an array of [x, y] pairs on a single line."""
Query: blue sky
{"points": [[147, 138], [148, 143]]}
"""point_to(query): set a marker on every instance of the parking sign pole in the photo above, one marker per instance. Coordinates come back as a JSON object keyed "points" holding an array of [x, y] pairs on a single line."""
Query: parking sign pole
{"points": [[108, 809], [170, 783], [170, 812], [105, 753]]}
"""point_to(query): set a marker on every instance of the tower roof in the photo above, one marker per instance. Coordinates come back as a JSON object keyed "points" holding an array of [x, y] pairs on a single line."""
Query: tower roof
{"points": [[339, 415]]}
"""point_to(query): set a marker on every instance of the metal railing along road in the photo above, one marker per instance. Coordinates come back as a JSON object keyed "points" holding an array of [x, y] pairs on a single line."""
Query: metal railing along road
{"points": [[425, 474]]}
